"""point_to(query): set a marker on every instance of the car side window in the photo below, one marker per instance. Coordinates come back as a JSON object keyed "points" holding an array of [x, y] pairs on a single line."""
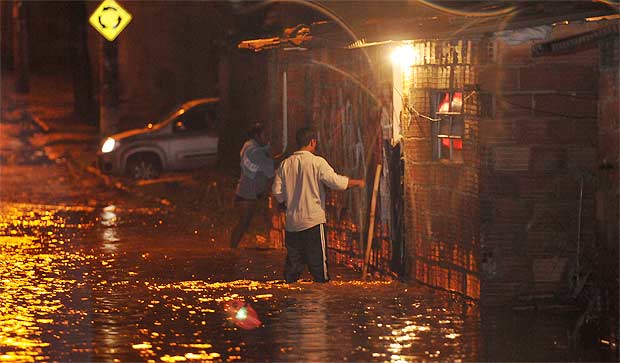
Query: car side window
{"points": [[195, 120]]}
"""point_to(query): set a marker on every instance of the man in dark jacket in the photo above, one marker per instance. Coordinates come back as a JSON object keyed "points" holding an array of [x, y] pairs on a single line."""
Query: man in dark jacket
{"points": [[256, 170]]}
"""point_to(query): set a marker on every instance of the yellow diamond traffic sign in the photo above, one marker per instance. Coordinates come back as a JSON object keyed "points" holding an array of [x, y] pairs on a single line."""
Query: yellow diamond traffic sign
{"points": [[110, 19]]}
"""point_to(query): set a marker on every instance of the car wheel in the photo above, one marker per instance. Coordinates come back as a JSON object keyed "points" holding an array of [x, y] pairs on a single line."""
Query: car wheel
{"points": [[143, 167]]}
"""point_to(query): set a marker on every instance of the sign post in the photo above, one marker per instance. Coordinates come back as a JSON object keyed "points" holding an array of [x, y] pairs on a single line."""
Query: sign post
{"points": [[109, 19]]}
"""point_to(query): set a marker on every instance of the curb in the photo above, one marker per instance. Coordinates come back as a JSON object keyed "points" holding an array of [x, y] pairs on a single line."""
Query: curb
{"points": [[42, 124], [107, 180], [115, 183]]}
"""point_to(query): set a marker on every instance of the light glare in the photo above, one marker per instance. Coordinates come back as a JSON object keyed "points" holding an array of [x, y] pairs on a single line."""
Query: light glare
{"points": [[108, 145], [404, 55]]}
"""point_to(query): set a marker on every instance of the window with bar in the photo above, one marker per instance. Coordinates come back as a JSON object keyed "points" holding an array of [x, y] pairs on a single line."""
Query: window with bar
{"points": [[448, 131]]}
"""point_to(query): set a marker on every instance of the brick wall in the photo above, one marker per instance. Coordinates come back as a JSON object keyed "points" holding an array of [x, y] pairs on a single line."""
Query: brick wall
{"points": [[441, 196], [539, 149]]}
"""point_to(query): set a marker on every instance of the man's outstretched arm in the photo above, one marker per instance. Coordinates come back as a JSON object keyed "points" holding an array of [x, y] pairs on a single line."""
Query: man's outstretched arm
{"points": [[356, 183]]}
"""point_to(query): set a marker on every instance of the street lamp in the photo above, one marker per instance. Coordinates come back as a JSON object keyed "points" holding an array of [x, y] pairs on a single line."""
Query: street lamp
{"points": [[405, 55]]}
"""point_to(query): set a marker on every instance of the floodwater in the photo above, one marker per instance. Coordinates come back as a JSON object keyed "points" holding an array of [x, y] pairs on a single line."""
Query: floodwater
{"points": [[107, 284]]}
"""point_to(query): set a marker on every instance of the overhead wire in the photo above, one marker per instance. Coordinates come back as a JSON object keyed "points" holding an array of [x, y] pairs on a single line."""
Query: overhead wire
{"points": [[581, 117]]}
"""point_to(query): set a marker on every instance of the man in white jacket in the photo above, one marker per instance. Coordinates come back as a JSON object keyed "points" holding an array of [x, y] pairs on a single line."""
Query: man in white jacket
{"points": [[256, 170], [299, 184]]}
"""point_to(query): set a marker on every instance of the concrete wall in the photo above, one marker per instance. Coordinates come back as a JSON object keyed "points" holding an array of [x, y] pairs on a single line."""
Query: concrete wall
{"points": [[538, 153], [607, 198]]}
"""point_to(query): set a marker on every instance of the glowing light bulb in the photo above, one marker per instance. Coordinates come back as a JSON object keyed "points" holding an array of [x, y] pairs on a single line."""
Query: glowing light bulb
{"points": [[405, 55]]}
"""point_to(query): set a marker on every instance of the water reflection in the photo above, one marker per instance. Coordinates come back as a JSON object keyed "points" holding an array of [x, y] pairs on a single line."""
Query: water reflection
{"points": [[35, 284], [109, 235], [21, 334], [303, 330]]}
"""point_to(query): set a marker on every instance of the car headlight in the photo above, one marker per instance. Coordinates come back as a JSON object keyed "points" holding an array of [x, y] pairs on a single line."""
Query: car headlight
{"points": [[108, 145]]}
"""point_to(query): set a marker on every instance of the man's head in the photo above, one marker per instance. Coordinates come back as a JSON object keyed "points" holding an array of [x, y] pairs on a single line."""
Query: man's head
{"points": [[257, 132], [306, 139]]}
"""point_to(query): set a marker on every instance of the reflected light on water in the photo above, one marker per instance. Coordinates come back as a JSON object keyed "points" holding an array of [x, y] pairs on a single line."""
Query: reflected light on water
{"points": [[108, 216], [110, 239], [28, 298], [109, 234], [36, 274]]}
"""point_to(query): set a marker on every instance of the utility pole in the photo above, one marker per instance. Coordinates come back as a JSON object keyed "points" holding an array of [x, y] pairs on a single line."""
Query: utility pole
{"points": [[224, 111], [84, 104], [20, 47], [108, 97]]}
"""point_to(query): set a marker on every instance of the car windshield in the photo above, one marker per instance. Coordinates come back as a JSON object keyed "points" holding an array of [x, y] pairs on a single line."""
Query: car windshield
{"points": [[165, 120]]}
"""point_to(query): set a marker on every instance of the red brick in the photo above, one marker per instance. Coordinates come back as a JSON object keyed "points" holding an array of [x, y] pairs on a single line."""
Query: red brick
{"points": [[419, 174], [419, 127], [444, 176], [547, 159], [608, 147], [418, 150], [513, 106], [531, 131], [561, 77], [538, 186], [499, 78], [497, 131], [512, 158], [561, 131], [472, 130], [608, 83], [582, 157], [608, 113], [585, 133], [498, 184], [567, 106], [540, 242], [519, 54], [511, 210]]}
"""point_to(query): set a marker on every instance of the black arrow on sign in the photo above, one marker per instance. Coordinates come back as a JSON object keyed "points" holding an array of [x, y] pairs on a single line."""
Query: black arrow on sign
{"points": [[118, 20]]}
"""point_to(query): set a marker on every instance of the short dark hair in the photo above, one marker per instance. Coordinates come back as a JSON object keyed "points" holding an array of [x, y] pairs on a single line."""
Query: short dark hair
{"points": [[255, 130], [304, 135]]}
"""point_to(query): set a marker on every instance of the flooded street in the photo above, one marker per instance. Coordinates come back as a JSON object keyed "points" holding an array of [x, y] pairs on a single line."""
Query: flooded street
{"points": [[78, 287], [108, 284]]}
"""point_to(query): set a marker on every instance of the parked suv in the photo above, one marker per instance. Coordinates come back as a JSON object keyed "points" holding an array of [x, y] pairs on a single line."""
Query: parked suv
{"points": [[186, 139]]}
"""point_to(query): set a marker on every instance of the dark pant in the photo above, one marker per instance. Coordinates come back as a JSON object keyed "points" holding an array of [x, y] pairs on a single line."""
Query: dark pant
{"points": [[307, 247], [246, 208]]}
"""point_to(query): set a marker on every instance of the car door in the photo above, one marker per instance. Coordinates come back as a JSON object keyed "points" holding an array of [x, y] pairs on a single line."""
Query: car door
{"points": [[194, 138]]}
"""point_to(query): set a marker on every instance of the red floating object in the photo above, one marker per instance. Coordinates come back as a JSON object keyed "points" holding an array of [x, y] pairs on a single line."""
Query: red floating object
{"points": [[242, 314]]}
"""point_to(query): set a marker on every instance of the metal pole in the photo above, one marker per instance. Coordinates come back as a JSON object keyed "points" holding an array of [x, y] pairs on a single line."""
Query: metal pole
{"points": [[579, 229], [108, 111], [284, 116], [20, 47]]}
